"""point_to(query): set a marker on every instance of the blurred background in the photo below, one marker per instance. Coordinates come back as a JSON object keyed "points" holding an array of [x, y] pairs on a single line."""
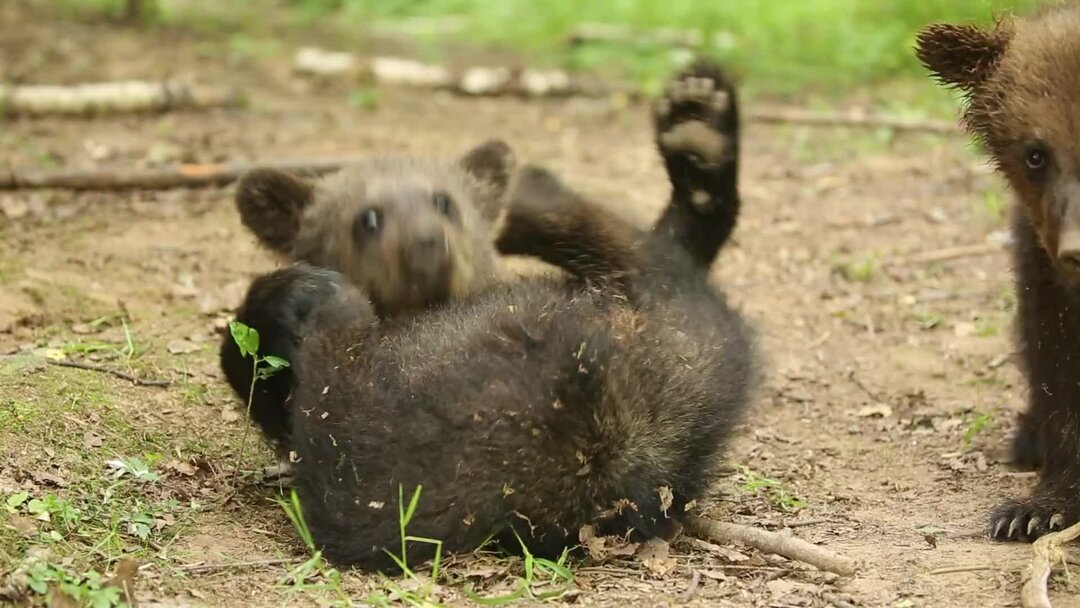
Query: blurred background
{"points": [[816, 49]]}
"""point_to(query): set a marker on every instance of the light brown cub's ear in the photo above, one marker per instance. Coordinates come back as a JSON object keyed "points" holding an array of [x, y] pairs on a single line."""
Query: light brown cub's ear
{"points": [[961, 56], [271, 203], [491, 163]]}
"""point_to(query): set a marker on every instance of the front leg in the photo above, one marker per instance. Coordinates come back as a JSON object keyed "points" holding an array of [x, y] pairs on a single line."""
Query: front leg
{"points": [[546, 219], [1055, 503]]}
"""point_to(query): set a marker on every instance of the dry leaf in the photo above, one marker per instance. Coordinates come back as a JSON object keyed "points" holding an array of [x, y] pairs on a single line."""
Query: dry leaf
{"points": [[23, 525], [127, 571], [91, 441], [666, 498], [879, 410], [182, 347], [183, 468]]}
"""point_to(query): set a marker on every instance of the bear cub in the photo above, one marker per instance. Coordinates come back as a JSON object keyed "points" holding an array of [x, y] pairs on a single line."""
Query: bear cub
{"points": [[1020, 79]]}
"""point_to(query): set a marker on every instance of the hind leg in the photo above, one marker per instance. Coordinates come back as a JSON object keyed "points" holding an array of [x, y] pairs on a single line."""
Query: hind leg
{"points": [[697, 133], [283, 306]]}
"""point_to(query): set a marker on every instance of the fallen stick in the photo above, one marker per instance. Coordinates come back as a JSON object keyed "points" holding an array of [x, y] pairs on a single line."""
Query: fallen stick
{"points": [[946, 254], [803, 117], [1034, 593], [111, 97], [112, 372], [955, 569], [261, 563], [771, 542], [175, 176]]}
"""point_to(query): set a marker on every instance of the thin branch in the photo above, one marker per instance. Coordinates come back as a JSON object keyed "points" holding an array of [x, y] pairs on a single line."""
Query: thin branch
{"points": [[954, 569], [854, 120], [946, 254], [176, 176], [111, 97], [261, 563], [113, 372], [1047, 549], [771, 542]]}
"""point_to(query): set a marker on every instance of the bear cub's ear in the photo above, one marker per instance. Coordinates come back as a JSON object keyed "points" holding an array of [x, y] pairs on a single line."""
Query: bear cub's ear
{"points": [[961, 56], [492, 163], [271, 203]]}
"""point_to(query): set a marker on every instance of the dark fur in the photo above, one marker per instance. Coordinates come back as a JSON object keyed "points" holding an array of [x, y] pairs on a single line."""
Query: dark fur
{"points": [[533, 407], [1021, 80]]}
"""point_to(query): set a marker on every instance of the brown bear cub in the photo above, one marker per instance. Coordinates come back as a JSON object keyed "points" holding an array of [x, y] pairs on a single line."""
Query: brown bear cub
{"points": [[411, 233], [1021, 81], [535, 407]]}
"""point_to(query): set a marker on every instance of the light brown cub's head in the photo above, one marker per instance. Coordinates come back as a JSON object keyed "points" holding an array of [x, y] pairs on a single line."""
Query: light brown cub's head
{"points": [[410, 232], [1021, 81]]}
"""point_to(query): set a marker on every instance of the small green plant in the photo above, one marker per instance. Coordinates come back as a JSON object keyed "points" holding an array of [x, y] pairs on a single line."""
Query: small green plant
{"points": [[85, 590], [860, 271], [927, 320], [366, 98], [316, 565], [981, 422], [776, 492], [995, 206], [262, 367], [421, 596], [538, 572]]}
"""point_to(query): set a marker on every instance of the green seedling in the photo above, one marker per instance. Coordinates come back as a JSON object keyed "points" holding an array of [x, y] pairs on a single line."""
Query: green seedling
{"points": [[262, 367]]}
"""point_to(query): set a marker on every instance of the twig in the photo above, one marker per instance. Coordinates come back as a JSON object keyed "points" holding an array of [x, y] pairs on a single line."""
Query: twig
{"points": [[806, 522], [111, 97], [176, 176], [691, 590], [113, 372], [953, 569], [1034, 593], [803, 117], [195, 568], [943, 255], [771, 542]]}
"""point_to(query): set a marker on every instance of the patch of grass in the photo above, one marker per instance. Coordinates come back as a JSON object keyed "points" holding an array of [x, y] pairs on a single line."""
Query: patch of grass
{"points": [[776, 493], [927, 320], [995, 206], [856, 271], [980, 423]]}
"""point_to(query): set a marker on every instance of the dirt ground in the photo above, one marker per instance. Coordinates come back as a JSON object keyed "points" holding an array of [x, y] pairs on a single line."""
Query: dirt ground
{"points": [[884, 414]]}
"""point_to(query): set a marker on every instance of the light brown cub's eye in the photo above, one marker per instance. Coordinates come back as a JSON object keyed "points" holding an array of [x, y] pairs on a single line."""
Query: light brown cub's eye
{"points": [[442, 203], [1036, 157]]}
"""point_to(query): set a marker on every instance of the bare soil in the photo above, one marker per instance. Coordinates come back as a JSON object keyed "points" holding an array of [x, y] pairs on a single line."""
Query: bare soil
{"points": [[886, 408]]}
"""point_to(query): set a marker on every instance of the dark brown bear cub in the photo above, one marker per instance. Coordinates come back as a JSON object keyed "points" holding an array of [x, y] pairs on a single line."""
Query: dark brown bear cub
{"points": [[533, 407], [1021, 81], [411, 233]]}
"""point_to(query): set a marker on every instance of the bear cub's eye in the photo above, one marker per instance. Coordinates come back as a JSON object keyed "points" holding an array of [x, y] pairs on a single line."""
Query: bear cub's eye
{"points": [[1036, 157], [443, 204]]}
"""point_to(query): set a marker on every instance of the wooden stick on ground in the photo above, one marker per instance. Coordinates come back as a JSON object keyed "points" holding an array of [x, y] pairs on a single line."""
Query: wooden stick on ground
{"points": [[1047, 549], [771, 542], [111, 97], [111, 372], [176, 176], [803, 117]]}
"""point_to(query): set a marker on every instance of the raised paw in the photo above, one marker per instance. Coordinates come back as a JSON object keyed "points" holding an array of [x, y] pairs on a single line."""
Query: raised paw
{"points": [[697, 130], [1027, 521], [697, 133]]}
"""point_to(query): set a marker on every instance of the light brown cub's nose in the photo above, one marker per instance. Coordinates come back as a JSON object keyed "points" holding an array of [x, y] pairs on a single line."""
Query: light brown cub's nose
{"points": [[1069, 251]]}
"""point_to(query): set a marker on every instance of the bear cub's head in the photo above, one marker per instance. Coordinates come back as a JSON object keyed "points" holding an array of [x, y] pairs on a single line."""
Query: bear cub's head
{"points": [[410, 232], [1021, 81]]}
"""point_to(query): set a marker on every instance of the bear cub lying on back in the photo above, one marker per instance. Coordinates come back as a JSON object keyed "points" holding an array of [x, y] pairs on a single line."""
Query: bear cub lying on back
{"points": [[531, 408]]}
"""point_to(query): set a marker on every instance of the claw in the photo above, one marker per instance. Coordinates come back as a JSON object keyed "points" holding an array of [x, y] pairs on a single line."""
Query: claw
{"points": [[1014, 527], [1057, 522], [1033, 524], [998, 528]]}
